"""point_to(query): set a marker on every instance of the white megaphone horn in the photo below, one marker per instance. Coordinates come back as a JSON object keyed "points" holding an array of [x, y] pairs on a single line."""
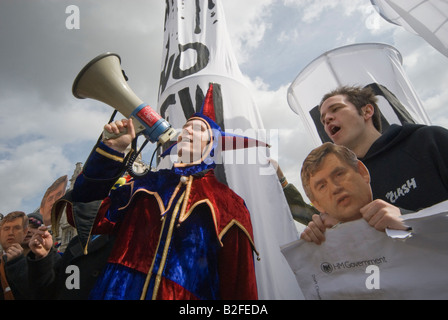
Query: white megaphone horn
{"points": [[102, 79]]}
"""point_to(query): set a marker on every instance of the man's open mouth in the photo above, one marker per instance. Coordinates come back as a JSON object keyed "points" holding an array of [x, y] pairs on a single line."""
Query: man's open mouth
{"points": [[334, 129]]}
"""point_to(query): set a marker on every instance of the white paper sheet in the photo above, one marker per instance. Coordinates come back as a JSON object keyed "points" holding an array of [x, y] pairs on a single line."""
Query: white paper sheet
{"points": [[415, 268]]}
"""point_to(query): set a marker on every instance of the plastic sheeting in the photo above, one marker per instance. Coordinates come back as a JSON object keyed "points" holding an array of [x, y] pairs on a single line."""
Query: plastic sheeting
{"points": [[368, 64], [427, 18]]}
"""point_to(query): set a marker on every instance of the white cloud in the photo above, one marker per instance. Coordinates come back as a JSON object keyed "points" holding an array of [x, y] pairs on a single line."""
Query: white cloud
{"points": [[246, 24], [28, 171], [312, 10], [35, 147], [427, 70]]}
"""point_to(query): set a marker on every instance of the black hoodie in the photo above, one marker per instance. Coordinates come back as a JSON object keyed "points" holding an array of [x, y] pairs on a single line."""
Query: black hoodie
{"points": [[408, 166]]}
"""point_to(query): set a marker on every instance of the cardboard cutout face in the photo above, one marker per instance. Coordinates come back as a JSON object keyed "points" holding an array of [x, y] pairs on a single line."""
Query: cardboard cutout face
{"points": [[340, 190], [53, 193]]}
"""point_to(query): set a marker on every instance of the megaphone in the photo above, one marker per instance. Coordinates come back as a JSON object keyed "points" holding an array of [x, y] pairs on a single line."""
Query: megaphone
{"points": [[103, 79]]}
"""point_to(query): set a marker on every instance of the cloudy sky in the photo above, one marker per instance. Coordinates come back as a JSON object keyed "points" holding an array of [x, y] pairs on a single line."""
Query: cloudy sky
{"points": [[45, 131]]}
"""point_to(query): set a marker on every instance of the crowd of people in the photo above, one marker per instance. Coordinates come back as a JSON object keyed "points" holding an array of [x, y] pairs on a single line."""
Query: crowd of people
{"points": [[198, 232]]}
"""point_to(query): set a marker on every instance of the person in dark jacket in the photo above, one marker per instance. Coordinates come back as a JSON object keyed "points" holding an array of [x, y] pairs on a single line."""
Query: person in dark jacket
{"points": [[70, 276], [409, 166], [300, 210], [13, 266]]}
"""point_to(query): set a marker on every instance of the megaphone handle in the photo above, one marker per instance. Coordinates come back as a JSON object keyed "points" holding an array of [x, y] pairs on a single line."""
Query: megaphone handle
{"points": [[138, 129], [108, 135]]}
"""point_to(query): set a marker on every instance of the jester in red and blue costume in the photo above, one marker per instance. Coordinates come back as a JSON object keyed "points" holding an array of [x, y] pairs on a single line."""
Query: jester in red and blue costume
{"points": [[180, 234]]}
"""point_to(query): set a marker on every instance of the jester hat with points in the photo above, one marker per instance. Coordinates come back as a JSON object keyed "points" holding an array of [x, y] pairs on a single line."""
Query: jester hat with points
{"points": [[219, 138]]}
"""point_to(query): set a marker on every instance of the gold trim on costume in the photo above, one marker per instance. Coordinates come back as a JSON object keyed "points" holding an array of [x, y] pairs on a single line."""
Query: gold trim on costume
{"points": [[187, 197], [155, 194], [179, 185], [148, 275], [108, 155], [166, 247], [242, 228], [184, 217], [167, 240]]}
